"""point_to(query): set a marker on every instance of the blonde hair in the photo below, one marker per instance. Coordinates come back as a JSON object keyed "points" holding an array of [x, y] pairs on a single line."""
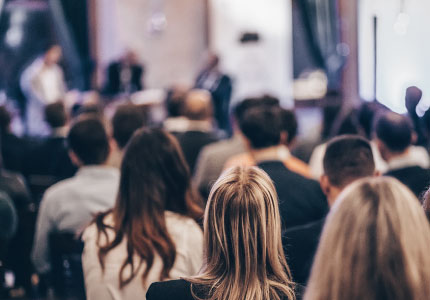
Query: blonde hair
{"points": [[244, 258], [374, 246]]}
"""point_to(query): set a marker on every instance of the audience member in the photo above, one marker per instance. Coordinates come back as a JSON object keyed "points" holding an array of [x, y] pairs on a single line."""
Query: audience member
{"points": [[213, 157], [288, 123], [48, 161], [394, 137], [220, 86], [242, 245], [13, 148], [301, 199], [152, 233], [126, 120], [354, 122], [412, 99], [176, 122], [374, 246], [348, 158], [17, 252], [200, 132], [69, 205]]}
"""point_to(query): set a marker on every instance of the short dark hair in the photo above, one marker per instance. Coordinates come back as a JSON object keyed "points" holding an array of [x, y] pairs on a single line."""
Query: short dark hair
{"points": [[88, 140], [347, 158], [55, 114], [394, 130], [289, 124], [126, 120], [247, 103], [5, 118], [262, 125]]}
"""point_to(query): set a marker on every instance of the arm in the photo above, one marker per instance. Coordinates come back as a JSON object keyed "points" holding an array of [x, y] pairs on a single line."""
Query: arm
{"points": [[44, 226], [93, 273]]}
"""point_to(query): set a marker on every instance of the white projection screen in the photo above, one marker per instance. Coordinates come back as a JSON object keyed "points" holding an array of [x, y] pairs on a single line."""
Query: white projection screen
{"points": [[403, 47], [269, 63]]}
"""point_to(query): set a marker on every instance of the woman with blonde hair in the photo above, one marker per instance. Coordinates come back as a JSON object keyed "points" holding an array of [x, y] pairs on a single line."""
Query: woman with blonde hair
{"points": [[243, 256], [374, 246]]}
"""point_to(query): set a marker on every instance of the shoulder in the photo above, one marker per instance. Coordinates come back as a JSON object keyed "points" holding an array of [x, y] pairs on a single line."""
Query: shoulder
{"points": [[174, 289], [180, 226]]}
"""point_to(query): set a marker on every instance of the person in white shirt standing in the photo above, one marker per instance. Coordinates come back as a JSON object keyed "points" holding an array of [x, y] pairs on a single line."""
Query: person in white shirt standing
{"points": [[70, 205], [42, 82]]}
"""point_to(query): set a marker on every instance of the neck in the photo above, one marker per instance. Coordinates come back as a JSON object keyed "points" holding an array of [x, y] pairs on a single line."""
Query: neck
{"points": [[389, 156], [278, 152]]}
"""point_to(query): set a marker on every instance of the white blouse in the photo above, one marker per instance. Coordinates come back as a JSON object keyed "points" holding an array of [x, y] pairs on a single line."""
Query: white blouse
{"points": [[104, 285]]}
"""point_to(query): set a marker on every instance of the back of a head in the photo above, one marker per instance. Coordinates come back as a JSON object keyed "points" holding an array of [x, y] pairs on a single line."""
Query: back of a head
{"points": [[126, 120], [412, 98], [243, 249], [347, 158], [175, 100], [198, 105], [378, 230], [154, 179], [88, 140], [55, 115], [289, 124], [262, 126], [5, 119], [395, 131]]}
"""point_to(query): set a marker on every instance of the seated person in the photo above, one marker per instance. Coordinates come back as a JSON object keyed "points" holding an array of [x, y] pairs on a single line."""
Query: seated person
{"points": [[176, 122], [70, 205], [347, 158], [289, 131], [300, 199], [200, 131], [152, 233], [48, 161], [242, 245], [394, 137], [124, 75], [125, 121], [374, 245], [13, 148]]}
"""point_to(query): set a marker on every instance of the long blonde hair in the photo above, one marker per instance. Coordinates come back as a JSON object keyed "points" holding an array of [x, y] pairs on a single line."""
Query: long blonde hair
{"points": [[243, 249], [375, 246]]}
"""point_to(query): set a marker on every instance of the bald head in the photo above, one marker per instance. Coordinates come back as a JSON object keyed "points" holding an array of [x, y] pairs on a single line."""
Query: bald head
{"points": [[394, 131], [198, 105]]}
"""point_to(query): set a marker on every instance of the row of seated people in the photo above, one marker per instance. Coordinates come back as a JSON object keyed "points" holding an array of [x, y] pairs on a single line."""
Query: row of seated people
{"points": [[70, 205]]}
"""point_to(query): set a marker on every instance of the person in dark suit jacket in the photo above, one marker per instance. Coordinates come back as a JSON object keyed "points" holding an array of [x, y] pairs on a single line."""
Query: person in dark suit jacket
{"points": [[242, 230], [346, 159], [124, 76], [220, 87], [395, 136], [13, 148], [198, 110], [48, 161], [300, 199]]}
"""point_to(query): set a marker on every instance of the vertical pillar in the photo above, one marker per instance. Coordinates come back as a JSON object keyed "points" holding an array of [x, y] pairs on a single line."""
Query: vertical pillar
{"points": [[348, 10]]}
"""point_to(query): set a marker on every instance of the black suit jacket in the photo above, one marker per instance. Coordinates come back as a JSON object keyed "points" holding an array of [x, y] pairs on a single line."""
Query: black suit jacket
{"points": [[301, 200], [174, 290], [414, 177], [192, 142], [300, 245], [113, 84]]}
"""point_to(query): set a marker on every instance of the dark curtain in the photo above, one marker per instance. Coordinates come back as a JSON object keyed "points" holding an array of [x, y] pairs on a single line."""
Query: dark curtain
{"points": [[75, 47], [75, 13], [321, 22]]}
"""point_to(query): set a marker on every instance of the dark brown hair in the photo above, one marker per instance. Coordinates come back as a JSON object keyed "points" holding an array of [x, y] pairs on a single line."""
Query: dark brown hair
{"points": [[154, 178]]}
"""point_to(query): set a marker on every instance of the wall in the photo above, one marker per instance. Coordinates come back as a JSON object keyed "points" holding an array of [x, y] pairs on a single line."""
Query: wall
{"points": [[172, 56]]}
